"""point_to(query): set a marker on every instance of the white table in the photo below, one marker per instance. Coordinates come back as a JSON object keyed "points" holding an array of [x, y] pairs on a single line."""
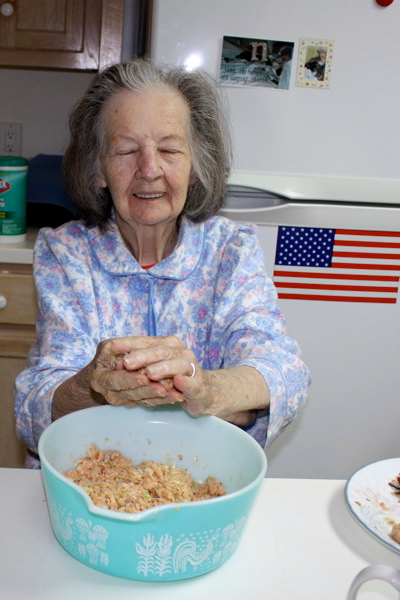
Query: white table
{"points": [[301, 543]]}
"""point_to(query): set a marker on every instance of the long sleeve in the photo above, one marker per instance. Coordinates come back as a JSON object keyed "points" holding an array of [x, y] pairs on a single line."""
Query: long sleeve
{"points": [[249, 329], [65, 341]]}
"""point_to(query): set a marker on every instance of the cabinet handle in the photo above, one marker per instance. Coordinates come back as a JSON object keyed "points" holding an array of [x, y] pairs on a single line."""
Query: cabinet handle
{"points": [[7, 9], [3, 302]]}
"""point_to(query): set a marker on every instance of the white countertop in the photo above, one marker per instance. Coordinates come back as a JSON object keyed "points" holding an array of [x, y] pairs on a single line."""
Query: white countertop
{"points": [[20, 252], [301, 543]]}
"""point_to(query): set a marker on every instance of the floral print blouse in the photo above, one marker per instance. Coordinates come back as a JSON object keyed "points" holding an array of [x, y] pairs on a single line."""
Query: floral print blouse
{"points": [[212, 293]]}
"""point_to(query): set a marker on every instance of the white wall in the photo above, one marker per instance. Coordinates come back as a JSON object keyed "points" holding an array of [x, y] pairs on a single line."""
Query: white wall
{"points": [[41, 101]]}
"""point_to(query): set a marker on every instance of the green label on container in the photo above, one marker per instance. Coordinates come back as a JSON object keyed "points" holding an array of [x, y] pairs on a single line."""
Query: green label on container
{"points": [[13, 189]]}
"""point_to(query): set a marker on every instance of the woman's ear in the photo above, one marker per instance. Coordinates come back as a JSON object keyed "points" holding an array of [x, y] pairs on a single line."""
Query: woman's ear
{"points": [[100, 180], [193, 177]]}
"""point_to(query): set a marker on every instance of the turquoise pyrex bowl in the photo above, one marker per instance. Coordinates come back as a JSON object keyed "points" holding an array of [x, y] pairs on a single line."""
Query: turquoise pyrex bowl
{"points": [[164, 543]]}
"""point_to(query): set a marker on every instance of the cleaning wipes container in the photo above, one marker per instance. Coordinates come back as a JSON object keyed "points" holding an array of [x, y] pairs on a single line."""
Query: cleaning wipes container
{"points": [[13, 198]]}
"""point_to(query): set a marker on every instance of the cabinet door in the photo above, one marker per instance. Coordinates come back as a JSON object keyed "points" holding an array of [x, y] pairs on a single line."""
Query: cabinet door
{"points": [[71, 34], [17, 334], [12, 451]]}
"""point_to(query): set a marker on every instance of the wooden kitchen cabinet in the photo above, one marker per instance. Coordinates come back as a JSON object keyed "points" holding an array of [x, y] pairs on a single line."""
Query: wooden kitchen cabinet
{"points": [[61, 34], [17, 334]]}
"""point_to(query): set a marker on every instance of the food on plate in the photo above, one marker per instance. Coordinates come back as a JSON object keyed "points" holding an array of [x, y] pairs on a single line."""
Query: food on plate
{"points": [[113, 482], [395, 484], [395, 533]]}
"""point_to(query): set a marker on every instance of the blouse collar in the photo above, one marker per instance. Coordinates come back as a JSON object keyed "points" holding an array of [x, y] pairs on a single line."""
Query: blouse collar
{"points": [[114, 256]]}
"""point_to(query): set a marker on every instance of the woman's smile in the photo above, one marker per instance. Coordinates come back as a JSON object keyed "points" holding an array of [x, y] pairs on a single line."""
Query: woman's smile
{"points": [[148, 196]]}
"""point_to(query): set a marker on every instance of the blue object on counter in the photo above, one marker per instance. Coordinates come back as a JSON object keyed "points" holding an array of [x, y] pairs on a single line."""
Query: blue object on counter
{"points": [[45, 184]]}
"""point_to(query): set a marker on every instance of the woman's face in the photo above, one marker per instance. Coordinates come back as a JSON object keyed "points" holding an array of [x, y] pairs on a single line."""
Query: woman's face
{"points": [[145, 157]]}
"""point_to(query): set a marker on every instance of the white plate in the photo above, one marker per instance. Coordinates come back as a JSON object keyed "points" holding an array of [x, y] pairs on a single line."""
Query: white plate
{"points": [[370, 499]]}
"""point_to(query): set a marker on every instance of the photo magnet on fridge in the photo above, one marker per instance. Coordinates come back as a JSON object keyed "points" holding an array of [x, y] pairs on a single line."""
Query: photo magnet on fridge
{"points": [[256, 63], [314, 67]]}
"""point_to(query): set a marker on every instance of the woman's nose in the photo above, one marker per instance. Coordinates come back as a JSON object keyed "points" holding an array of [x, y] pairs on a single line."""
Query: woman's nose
{"points": [[149, 167]]}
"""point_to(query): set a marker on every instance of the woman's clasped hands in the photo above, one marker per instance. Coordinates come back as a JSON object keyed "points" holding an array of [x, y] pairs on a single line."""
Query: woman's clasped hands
{"points": [[150, 371], [146, 370]]}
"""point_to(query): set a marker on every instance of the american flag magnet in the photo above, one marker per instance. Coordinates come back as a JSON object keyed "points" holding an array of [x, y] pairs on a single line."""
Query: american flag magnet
{"points": [[337, 265]]}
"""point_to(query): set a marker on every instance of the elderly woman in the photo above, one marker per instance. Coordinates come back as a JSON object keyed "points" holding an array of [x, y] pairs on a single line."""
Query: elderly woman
{"points": [[150, 298]]}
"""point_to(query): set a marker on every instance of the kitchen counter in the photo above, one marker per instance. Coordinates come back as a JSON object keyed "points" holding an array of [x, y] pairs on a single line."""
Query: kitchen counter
{"points": [[301, 542], [21, 252]]}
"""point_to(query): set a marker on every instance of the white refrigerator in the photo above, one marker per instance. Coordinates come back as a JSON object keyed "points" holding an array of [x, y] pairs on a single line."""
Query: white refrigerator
{"points": [[317, 168]]}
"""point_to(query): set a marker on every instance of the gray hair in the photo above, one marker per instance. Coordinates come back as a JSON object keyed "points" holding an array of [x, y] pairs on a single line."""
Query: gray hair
{"points": [[208, 136]]}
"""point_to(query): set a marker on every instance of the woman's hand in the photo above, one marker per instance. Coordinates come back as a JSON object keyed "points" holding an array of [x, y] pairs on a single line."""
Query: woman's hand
{"points": [[234, 394], [140, 370], [107, 380]]}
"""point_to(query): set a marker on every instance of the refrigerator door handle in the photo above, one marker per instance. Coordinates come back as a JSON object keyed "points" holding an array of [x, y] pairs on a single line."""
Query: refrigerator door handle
{"points": [[245, 198]]}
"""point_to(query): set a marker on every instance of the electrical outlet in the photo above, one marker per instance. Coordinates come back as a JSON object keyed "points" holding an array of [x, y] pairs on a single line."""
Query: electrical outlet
{"points": [[11, 139]]}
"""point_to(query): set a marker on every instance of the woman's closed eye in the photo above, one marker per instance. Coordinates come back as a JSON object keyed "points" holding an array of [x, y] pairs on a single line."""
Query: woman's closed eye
{"points": [[169, 150], [126, 149]]}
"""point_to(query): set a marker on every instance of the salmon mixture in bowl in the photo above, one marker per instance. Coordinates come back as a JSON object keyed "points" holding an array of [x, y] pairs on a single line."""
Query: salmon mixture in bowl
{"points": [[112, 481]]}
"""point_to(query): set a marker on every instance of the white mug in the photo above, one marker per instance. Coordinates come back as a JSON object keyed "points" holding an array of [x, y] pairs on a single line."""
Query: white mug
{"points": [[389, 574]]}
